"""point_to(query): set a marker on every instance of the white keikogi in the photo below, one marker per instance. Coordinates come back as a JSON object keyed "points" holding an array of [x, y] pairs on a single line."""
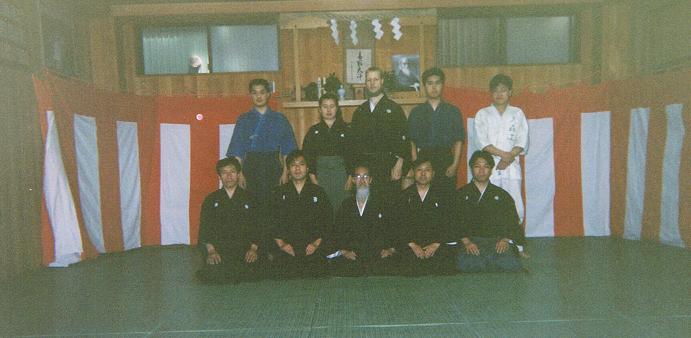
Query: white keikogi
{"points": [[504, 131]]}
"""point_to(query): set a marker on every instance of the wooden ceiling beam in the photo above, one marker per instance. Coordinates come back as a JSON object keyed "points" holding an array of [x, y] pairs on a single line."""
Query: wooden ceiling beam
{"points": [[292, 6]]}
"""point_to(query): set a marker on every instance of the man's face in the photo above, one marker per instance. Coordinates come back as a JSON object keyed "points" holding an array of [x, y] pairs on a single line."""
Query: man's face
{"points": [[481, 170], [298, 169], [501, 95], [374, 83], [229, 176], [424, 174], [328, 109], [361, 177], [260, 96], [434, 87]]}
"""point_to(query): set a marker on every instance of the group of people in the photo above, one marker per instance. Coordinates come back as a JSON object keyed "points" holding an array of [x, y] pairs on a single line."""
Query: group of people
{"points": [[376, 196]]}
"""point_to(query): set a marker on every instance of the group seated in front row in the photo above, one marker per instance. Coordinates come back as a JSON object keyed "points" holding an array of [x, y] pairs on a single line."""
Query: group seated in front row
{"points": [[422, 231]]}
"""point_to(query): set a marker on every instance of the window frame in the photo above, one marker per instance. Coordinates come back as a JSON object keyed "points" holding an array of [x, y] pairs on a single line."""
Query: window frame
{"points": [[505, 13], [175, 22]]}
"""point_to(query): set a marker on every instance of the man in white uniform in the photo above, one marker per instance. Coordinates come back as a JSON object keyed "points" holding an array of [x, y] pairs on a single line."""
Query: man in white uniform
{"points": [[502, 130]]}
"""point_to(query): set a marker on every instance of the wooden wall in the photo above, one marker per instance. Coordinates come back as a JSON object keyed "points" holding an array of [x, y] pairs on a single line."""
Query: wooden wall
{"points": [[20, 168], [618, 39]]}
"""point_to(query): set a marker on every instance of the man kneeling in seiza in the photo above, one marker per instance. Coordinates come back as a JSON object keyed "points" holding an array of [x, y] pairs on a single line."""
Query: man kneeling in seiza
{"points": [[363, 233], [488, 221], [425, 210], [229, 233], [301, 218]]}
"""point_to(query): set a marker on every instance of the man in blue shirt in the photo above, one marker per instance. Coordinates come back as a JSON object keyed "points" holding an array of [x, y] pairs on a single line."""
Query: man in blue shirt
{"points": [[261, 140], [436, 130]]}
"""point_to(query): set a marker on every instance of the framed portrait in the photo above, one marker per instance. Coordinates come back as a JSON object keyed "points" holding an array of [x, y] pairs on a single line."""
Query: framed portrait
{"points": [[357, 62], [406, 69]]}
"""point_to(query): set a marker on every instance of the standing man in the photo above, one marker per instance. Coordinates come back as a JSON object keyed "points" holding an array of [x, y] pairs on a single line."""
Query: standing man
{"points": [[436, 130], [488, 221], [229, 231], [302, 217], [380, 134], [502, 130], [261, 140]]}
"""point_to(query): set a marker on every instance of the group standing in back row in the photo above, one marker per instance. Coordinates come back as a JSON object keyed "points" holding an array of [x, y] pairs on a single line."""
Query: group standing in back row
{"points": [[284, 200]]}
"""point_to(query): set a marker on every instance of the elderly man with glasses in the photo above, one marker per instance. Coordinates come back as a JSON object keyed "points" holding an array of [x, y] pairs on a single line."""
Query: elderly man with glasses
{"points": [[363, 233]]}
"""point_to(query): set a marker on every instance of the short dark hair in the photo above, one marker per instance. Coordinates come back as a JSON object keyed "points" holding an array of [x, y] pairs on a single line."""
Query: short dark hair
{"points": [[375, 69], [481, 154], [222, 163], [293, 155], [422, 160], [260, 82], [500, 79], [432, 72]]}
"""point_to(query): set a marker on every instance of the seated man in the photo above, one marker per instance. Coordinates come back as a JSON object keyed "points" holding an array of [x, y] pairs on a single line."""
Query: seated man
{"points": [[425, 211], [363, 234], [488, 221], [228, 231], [302, 216]]}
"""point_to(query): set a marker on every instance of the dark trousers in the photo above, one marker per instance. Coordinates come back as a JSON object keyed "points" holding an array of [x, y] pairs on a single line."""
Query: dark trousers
{"points": [[364, 265], [262, 171], [232, 269], [284, 266], [442, 263], [488, 260]]}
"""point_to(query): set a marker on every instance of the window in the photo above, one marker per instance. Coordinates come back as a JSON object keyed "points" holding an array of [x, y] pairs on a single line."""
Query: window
{"points": [[175, 50], [244, 48], [209, 49], [512, 40]]}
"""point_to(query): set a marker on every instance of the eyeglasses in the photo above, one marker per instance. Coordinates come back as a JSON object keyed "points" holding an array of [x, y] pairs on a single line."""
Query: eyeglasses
{"points": [[360, 177]]}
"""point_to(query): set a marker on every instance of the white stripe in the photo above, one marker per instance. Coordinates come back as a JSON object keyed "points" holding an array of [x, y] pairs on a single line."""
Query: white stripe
{"points": [[540, 179], [88, 178], [635, 172], [59, 203], [175, 184], [225, 133], [130, 184], [669, 205], [595, 169], [471, 145]]}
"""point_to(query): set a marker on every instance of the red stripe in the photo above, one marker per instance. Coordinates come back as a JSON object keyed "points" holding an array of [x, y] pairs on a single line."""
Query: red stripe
{"points": [[657, 131], [150, 162], [44, 103], [685, 179], [109, 177]]}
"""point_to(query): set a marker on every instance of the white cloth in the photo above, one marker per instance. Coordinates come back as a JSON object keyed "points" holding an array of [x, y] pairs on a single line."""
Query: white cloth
{"points": [[504, 131]]}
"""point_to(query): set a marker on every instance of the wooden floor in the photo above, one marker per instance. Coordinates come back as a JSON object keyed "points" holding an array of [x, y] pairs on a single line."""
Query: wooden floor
{"points": [[574, 288]]}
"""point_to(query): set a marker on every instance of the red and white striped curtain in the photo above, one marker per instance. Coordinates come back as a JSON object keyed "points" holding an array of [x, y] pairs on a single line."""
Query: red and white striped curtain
{"points": [[123, 171]]}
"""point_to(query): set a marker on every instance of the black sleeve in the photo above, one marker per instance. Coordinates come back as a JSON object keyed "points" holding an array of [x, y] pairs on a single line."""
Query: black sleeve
{"points": [[275, 216], [325, 216], [206, 222], [510, 217], [309, 149], [461, 218], [340, 235], [401, 129], [257, 231], [400, 219]]}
